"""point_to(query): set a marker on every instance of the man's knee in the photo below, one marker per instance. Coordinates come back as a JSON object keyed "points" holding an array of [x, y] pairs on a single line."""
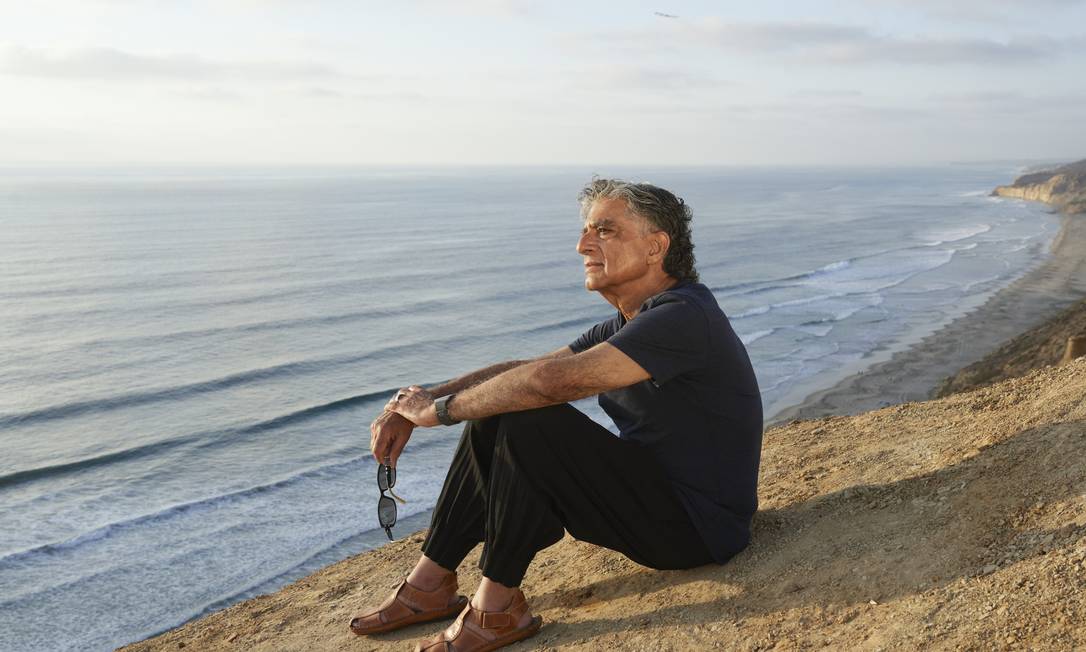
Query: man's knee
{"points": [[480, 434], [534, 426]]}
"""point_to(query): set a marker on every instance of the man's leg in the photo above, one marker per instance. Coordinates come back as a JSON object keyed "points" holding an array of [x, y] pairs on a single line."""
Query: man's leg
{"points": [[554, 469], [459, 520], [457, 526]]}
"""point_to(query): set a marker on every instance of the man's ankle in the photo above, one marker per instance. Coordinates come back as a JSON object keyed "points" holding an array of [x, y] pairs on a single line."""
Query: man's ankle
{"points": [[428, 579], [494, 597]]}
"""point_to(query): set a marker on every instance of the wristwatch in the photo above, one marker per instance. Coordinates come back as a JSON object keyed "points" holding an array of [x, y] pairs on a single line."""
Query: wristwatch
{"points": [[442, 407]]}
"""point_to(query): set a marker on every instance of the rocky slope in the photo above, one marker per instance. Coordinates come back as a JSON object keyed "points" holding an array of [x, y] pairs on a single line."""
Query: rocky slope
{"points": [[1063, 187], [957, 523], [1044, 345]]}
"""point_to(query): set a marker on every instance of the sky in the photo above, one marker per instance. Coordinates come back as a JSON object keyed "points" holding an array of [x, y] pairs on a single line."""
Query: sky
{"points": [[521, 82]]}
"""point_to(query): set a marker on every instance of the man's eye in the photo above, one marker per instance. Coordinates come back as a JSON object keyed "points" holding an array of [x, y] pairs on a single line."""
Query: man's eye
{"points": [[602, 230]]}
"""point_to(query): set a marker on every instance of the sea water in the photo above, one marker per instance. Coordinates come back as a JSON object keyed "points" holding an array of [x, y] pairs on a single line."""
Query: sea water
{"points": [[190, 358]]}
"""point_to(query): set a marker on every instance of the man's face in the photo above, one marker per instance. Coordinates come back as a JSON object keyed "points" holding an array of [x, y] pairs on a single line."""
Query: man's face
{"points": [[616, 246]]}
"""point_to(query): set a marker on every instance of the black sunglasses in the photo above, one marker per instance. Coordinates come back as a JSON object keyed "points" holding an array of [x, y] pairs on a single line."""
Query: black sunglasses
{"points": [[386, 507]]}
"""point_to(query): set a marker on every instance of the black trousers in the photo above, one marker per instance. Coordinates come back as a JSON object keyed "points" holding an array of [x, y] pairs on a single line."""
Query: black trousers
{"points": [[518, 480]]}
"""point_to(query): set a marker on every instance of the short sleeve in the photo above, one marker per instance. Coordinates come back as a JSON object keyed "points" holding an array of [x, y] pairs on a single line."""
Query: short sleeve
{"points": [[668, 339], [593, 336]]}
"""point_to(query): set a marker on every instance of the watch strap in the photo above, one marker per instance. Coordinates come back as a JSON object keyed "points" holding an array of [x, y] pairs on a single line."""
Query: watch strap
{"points": [[441, 406]]}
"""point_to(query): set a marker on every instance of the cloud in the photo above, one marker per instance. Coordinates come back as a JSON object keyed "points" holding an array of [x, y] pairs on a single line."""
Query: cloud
{"points": [[214, 94], [984, 11], [980, 103], [849, 44], [622, 77], [323, 93], [827, 93], [485, 7], [117, 65], [837, 43]]}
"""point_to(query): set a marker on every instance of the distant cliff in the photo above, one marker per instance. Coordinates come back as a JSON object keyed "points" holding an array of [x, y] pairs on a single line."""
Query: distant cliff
{"points": [[1063, 187]]}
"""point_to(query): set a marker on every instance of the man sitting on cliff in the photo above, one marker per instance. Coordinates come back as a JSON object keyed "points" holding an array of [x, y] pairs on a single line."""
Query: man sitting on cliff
{"points": [[676, 488]]}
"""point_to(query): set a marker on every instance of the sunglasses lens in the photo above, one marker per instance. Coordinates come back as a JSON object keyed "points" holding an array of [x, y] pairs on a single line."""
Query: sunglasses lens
{"points": [[386, 477], [386, 511]]}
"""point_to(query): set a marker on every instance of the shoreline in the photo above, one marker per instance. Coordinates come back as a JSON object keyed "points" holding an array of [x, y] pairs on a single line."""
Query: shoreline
{"points": [[915, 371]]}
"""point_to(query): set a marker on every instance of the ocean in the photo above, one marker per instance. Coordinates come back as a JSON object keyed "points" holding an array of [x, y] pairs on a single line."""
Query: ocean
{"points": [[190, 357]]}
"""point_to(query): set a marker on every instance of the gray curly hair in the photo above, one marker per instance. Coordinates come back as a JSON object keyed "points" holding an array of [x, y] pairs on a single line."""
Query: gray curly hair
{"points": [[664, 212]]}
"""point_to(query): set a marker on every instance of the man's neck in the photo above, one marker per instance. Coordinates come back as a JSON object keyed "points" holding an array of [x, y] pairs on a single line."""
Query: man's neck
{"points": [[629, 301]]}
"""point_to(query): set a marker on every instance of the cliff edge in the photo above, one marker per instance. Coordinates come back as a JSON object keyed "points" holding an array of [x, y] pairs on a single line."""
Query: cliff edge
{"points": [[1063, 187], [945, 524], [1048, 344]]}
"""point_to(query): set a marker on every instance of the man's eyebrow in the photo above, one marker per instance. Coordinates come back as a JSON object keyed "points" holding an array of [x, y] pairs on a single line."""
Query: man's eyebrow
{"points": [[589, 224]]}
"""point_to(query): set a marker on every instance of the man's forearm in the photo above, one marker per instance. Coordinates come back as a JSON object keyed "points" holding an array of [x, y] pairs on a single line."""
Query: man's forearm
{"points": [[473, 378], [555, 378], [524, 387]]}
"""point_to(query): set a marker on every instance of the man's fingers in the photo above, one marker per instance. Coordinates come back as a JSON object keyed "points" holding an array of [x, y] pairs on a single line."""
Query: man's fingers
{"points": [[397, 448], [380, 449]]}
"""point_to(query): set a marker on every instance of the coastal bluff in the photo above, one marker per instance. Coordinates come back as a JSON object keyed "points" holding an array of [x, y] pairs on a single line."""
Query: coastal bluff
{"points": [[954, 523], [1050, 343], [1063, 187]]}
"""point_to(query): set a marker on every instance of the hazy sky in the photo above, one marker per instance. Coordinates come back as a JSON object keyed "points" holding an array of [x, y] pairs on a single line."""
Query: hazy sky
{"points": [[524, 82]]}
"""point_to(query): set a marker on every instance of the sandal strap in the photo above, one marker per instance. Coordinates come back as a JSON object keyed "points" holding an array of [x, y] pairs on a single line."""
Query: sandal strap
{"points": [[475, 629], [508, 617], [419, 600]]}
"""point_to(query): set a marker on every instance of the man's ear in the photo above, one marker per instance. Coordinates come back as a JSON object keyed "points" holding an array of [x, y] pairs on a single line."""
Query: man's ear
{"points": [[661, 242]]}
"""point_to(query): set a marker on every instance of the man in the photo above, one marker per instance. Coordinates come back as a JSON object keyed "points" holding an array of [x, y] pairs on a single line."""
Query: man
{"points": [[675, 489]]}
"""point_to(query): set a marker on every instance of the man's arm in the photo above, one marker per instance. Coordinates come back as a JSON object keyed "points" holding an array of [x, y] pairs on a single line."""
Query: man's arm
{"points": [[389, 432], [478, 376], [534, 384]]}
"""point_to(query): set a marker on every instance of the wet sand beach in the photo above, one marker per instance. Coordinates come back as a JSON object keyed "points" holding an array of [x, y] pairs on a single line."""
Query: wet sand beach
{"points": [[913, 374]]}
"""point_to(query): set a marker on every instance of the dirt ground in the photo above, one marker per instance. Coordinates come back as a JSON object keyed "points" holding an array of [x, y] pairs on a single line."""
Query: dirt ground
{"points": [[957, 523]]}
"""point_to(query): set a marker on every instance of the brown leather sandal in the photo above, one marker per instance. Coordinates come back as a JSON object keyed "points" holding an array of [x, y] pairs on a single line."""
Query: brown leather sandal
{"points": [[483, 631], [408, 605]]}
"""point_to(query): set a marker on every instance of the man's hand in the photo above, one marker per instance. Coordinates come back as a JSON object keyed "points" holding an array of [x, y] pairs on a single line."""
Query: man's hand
{"points": [[388, 435], [414, 404]]}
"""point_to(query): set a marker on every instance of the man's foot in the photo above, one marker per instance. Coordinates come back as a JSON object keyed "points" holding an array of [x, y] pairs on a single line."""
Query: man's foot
{"points": [[482, 631], [409, 605]]}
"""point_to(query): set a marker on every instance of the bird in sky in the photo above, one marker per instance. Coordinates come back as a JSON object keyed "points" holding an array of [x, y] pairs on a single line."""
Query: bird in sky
{"points": [[663, 15]]}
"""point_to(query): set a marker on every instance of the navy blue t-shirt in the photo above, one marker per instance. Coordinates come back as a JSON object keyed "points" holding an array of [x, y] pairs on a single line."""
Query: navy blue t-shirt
{"points": [[701, 412]]}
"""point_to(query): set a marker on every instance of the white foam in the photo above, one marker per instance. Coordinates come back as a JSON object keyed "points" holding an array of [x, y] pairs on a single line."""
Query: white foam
{"points": [[759, 310], [755, 336], [937, 237]]}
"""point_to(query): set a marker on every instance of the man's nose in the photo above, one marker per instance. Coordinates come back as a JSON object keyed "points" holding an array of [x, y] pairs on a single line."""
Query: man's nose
{"points": [[584, 243]]}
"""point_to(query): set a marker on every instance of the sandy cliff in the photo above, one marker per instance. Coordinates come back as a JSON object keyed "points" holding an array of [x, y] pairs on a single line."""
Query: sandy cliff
{"points": [[1063, 187], [1046, 344], [945, 524]]}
